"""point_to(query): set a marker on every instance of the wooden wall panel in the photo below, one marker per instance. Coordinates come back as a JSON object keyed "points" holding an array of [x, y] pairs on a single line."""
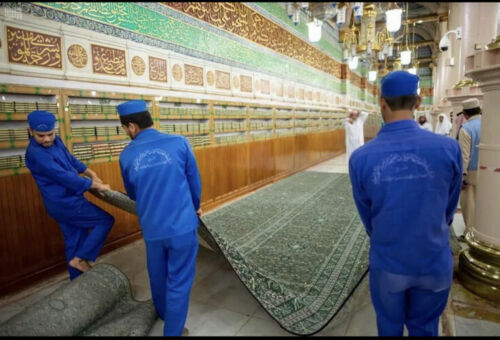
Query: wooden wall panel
{"points": [[31, 243], [284, 149], [261, 163]]}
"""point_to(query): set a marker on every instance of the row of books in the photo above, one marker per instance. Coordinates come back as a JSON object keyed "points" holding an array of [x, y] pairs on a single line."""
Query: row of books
{"points": [[261, 125], [230, 139], [12, 162], [226, 126], [185, 127], [14, 134], [96, 131], [179, 111], [230, 112], [79, 109], [198, 140], [25, 108], [98, 150]]}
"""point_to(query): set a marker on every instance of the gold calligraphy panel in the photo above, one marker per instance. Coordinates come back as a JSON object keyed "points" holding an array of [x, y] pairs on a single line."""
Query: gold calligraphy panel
{"points": [[109, 61], [265, 86], [316, 96], [157, 69], [193, 75], [245, 83], [237, 18], [222, 80], [77, 56], [363, 82], [291, 92], [426, 91], [355, 79], [33, 48], [138, 65], [309, 95]]}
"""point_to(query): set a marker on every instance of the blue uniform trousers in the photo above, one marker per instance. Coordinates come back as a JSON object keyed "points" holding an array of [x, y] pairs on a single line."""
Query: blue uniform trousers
{"points": [[77, 239], [171, 267], [418, 305]]}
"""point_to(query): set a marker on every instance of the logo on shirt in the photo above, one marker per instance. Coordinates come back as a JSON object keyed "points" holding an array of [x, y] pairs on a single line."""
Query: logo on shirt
{"points": [[151, 158], [397, 167]]}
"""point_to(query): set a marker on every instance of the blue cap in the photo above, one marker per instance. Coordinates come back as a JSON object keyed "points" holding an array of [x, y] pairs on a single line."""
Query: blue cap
{"points": [[42, 121], [131, 107], [399, 84]]}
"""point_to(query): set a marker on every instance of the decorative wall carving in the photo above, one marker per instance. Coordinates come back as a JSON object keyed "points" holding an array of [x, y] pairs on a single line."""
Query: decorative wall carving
{"points": [[237, 18], [177, 72], [33, 48], [291, 92], [77, 56], [109, 61], [279, 91], [355, 79], [157, 69], [193, 75], [426, 92], [246, 83], [138, 65], [222, 80], [309, 95]]}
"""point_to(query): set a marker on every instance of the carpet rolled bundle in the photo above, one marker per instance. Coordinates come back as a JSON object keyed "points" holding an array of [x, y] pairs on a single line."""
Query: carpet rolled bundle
{"points": [[97, 302]]}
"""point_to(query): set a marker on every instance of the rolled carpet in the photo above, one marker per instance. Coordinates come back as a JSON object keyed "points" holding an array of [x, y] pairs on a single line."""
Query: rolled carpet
{"points": [[97, 303]]}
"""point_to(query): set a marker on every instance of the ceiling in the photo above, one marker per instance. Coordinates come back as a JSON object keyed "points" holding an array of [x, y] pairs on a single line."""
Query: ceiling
{"points": [[425, 31]]}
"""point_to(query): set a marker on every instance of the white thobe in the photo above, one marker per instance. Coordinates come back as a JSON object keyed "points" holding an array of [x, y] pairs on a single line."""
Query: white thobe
{"points": [[354, 136], [426, 126]]}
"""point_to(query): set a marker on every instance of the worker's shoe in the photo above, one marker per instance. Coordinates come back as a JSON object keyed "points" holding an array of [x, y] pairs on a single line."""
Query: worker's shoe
{"points": [[185, 332]]}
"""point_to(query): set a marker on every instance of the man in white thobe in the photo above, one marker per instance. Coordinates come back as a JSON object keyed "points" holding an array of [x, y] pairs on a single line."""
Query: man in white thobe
{"points": [[354, 136], [443, 127], [423, 122]]}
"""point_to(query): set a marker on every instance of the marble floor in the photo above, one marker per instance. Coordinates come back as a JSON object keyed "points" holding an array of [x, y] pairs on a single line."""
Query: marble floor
{"points": [[221, 305]]}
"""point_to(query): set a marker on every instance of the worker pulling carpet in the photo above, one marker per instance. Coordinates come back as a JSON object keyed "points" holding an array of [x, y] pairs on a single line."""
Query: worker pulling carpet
{"points": [[298, 246], [97, 303]]}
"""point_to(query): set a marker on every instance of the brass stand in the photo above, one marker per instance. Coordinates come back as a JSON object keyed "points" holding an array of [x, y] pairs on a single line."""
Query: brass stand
{"points": [[479, 268]]}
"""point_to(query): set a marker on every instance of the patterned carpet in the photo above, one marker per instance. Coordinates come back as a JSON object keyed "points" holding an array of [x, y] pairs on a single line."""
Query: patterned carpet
{"points": [[97, 303], [298, 246]]}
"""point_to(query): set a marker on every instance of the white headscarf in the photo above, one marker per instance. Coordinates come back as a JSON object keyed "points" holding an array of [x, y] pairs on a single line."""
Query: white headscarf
{"points": [[443, 128]]}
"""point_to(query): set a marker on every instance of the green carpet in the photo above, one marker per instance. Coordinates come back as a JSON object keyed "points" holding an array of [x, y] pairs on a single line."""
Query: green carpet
{"points": [[298, 246], [97, 303]]}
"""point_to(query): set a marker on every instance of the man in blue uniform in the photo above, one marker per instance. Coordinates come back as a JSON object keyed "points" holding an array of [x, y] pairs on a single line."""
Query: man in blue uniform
{"points": [[160, 173], [404, 167], [56, 171]]}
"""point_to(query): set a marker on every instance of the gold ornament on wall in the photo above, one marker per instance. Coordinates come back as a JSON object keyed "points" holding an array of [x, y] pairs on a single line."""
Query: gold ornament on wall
{"points": [[236, 82], [138, 65], [193, 75], [177, 72], [210, 78], [108, 60], [246, 83], [77, 56]]}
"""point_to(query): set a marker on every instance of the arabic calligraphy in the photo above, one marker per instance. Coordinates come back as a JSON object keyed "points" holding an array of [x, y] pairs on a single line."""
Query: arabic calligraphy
{"points": [[33, 48], [241, 20], [77, 56], [177, 72], [426, 92], [109, 61], [291, 92], [138, 65], [222, 80], [279, 91], [193, 75], [308, 95], [246, 83], [157, 69]]}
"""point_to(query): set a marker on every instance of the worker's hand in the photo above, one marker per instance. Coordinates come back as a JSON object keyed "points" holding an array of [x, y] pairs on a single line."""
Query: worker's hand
{"points": [[199, 212], [96, 179], [100, 187]]}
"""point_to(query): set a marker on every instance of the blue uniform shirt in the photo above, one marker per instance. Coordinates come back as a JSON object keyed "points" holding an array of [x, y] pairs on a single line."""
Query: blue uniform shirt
{"points": [[160, 173], [56, 170], [406, 184]]}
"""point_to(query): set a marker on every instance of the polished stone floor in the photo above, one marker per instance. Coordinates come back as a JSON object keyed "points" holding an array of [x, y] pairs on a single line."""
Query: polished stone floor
{"points": [[221, 305]]}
